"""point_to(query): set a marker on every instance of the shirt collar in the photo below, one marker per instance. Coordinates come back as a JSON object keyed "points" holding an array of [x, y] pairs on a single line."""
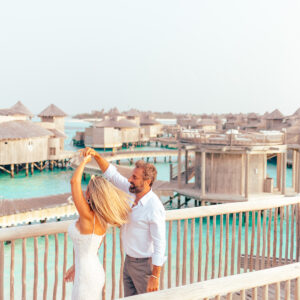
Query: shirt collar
{"points": [[145, 198]]}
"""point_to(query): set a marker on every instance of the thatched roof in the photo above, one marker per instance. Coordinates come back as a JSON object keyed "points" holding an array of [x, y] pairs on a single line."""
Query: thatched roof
{"points": [[207, 122], [252, 116], [20, 109], [5, 112], [275, 115], [57, 133], [22, 129], [148, 121], [297, 112], [132, 113], [52, 111], [122, 123]]}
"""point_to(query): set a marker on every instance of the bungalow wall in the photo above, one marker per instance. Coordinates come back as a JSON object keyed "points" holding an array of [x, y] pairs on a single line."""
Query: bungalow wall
{"points": [[130, 135], [101, 137], [23, 150], [225, 173]]}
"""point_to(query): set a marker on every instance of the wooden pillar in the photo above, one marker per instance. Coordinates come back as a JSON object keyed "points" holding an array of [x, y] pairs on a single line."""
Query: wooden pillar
{"points": [[170, 159], [294, 168], [283, 181], [242, 179], [26, 169], [203, 156], [41, 166], [186, 166], [265, 165], [278, 182], [51, 165], [178, 201], [32, 168], [17, 169], [247, 175], [171, 172], [179, 167], [154, 160], [12, 167], [298, 172]]}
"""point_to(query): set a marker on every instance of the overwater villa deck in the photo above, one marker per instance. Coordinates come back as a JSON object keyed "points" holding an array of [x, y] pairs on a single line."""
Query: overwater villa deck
{"points": [[248, 250]]}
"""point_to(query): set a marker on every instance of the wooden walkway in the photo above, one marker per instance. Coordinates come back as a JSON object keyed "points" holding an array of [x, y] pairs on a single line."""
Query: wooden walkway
{"points": [[119, 155]]}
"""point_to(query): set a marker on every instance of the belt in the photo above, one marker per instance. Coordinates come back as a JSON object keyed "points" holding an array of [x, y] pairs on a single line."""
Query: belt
{"points": [[136, 258]]}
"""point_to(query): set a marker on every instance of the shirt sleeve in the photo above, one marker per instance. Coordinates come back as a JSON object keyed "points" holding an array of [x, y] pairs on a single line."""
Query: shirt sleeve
{"points": [[117, 179], [158, 235]]}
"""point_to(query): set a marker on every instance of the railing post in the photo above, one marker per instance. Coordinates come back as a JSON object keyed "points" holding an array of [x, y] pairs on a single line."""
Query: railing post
{"points": [[298, 233], [1, 270]]}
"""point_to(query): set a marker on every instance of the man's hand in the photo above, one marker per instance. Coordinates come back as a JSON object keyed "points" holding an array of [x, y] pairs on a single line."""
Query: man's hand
{"points": [[89, 151], [70, 274], [153, 284]]}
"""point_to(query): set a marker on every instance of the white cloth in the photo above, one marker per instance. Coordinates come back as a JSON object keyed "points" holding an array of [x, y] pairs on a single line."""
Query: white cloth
{"points": [[89, 274], [145, 233]]}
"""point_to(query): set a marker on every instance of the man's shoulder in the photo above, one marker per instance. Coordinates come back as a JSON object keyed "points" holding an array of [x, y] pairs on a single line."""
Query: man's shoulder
{"points": [[154, 202]]}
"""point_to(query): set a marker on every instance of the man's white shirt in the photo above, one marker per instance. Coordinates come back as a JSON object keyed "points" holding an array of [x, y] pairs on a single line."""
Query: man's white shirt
{"points": [[145, 233]]}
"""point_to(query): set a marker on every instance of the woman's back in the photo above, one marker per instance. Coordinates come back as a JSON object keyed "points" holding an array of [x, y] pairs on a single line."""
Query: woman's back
{"points": [[89, 273]]}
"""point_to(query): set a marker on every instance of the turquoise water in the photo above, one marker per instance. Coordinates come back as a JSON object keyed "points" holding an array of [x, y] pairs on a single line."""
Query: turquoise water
{"points": [[57, 181]]}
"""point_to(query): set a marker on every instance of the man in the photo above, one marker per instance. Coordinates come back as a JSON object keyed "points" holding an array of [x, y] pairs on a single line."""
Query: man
{"points": [[143, 236]]}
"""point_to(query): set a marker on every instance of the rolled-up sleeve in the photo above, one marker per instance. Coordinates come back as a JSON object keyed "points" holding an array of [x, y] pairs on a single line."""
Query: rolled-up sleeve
{"points": [[158, 235], [117, 179]]}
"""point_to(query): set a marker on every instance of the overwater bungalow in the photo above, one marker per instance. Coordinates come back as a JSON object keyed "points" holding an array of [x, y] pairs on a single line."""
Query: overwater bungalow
{"points": [[117, 130], [207, 125], [25, 144], [234, 165], [111, 133], [274, 120], [53, 117], [17, 112]]}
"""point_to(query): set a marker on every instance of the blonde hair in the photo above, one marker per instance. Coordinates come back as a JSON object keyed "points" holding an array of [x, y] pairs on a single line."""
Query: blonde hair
{"points": [[110, 204]]}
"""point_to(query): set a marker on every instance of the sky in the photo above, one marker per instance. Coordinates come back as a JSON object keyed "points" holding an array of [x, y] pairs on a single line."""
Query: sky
{"points": [[190, 56]]}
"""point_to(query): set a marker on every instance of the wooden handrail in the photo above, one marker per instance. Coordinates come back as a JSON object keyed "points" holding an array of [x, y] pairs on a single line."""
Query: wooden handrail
{"points": [[171, 215], [225, 285]]}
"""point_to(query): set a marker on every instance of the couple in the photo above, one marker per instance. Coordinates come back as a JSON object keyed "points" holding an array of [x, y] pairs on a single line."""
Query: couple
{"points": [[128, 203]]}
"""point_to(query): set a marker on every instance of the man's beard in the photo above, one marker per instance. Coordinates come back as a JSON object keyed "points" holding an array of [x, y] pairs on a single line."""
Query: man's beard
{"points": [[135, 189]]}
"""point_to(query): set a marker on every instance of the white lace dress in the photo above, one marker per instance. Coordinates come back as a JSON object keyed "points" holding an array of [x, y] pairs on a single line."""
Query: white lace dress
{"points": [[89, 274]]}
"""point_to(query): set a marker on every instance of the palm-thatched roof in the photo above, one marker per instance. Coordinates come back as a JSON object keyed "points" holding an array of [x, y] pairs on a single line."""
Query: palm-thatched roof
{"points": [[297, 112], [122, 123], [275, 115], [132, 113], [5, 112], [252, 116], [22, 129], [20, 109], [147, 120], [52, 111], [57, 133]]}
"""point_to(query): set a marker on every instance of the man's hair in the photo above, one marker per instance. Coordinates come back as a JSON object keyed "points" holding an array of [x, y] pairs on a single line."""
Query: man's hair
{"points": [[149, 170]]}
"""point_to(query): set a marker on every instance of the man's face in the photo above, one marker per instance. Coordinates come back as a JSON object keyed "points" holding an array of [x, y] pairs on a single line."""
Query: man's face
{"points": [[137, 183]]}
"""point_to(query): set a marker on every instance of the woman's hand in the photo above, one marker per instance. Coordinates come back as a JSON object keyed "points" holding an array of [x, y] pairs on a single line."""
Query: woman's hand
{"points": [[88, 151], [70, 274]]}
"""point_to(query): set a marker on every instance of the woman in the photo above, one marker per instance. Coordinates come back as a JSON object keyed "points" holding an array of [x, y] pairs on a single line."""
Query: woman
{"points": [[102, 204]]}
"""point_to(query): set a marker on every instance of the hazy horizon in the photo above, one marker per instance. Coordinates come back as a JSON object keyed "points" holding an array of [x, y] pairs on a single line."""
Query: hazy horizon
{"points": [[181, 56]]}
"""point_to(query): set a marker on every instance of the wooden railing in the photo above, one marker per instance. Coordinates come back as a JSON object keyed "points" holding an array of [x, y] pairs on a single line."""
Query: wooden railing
{"points": [[202, 243], [276, 283], [237, 139]]}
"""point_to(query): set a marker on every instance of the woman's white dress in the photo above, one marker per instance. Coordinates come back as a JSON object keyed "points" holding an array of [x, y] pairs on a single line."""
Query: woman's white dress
{"points": [[89, 274]]}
